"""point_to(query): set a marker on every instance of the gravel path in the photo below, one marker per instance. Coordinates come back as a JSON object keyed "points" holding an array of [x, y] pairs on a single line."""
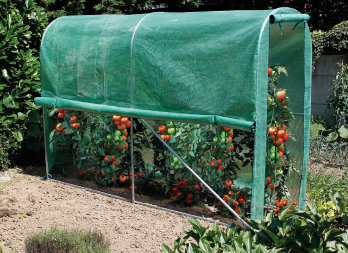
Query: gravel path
{"points": [[29, 204]]}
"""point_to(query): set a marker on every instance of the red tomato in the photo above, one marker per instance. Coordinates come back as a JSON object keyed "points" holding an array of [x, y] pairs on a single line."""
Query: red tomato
{"points": [[121, 127], [228, 183], [116, 118], [189, 196], [278, 142], [270, 71], [116, 163], [281, 95], [124, 120], [128, 124], [285, 137], [106, 159], [60, 115], [197, 187], [241, 200], [280, 133], [162, 128], [73, 118], [271, 131], [179, 194], [268, 179], [58, 127], [60, 110]]}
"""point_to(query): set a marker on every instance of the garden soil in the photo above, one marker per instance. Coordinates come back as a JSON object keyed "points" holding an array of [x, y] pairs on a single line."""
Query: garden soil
{"points": [[29, 204]]}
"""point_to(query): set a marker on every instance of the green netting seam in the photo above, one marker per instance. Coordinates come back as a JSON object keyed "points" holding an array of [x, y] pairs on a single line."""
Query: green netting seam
{"points": [[131, 58]]}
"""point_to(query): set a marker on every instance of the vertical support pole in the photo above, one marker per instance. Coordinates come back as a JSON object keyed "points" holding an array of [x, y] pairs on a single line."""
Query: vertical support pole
{"points": [[261, 80], [45, 141], [306, 114], [132, 161]]}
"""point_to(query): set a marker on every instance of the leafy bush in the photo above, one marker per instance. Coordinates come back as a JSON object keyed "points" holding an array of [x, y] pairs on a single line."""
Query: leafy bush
{"points": [[334, 40], [288, 232], [21, 27], [328, 194], [62, 240], [328, 145], [338, 100]]}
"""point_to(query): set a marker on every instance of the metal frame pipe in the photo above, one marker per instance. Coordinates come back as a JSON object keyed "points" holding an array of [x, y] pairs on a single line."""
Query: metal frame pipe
{"points": [[277, 18], [132, 161], [196, 175]]}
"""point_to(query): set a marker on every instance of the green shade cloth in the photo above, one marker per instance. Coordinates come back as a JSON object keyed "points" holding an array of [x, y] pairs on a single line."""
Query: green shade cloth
{"points": [[202, 67], [165, 65]]}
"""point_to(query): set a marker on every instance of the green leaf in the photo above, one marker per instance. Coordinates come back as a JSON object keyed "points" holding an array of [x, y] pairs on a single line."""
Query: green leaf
{"points": [[204, 245], [5, 74], [9, 101], [166, 249], [18, 136], [343, 132], [332, 137]]}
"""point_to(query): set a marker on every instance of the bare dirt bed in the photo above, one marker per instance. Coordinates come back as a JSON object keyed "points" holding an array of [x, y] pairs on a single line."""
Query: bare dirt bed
{"points": [[28, 204]]}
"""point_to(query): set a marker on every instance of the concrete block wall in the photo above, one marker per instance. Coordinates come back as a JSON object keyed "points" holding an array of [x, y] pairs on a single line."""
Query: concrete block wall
{"points": [[325, 71]]}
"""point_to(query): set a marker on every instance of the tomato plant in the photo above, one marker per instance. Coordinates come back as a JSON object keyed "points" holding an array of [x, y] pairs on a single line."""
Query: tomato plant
{"points": [[216, 153]]}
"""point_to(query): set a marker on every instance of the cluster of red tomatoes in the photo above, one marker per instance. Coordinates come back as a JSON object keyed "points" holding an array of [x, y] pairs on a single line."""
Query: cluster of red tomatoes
{"points": [[217, 164], [234, 199], [166, 131], [62, 114], [275, 154], [186, 191], [224, 143], [283, 204]]}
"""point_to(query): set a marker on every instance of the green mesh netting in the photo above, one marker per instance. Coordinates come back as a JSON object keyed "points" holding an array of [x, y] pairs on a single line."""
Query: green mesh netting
{"points": [[204, 67]]}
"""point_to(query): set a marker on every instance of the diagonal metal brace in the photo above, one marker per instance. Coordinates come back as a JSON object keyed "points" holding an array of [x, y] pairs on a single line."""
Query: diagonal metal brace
{"points": [[196, 175]]}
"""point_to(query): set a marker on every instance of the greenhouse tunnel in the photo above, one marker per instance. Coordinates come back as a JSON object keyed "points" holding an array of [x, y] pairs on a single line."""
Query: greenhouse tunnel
{"points": [[200, 67]]}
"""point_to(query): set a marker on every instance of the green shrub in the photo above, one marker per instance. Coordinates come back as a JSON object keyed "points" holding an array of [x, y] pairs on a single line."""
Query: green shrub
{"points": [[21, 26], [288, 232], [328, 194], [332, 41], [62, 240], [338, 100], [327, 144]]}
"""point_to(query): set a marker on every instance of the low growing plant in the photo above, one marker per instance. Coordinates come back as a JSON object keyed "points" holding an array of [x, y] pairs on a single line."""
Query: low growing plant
{"points": [[63, 240], [288, 232]]}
